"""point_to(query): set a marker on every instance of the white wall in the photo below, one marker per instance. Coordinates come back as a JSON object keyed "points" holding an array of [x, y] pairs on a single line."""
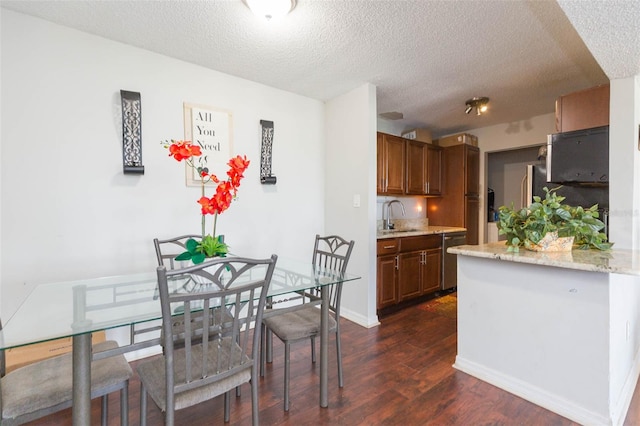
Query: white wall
{"points": [[542, 333], [1, 173], [524, 133], [624, 231], [624, 163], [351, 176], [67, 210]]}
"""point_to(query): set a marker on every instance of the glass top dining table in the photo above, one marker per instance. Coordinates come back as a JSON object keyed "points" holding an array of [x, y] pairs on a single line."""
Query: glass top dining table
{"points": [[78, 308]]}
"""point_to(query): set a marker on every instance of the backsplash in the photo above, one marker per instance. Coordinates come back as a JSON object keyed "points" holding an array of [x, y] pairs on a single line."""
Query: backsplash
{"points": [[402, 224], [415, 207]]}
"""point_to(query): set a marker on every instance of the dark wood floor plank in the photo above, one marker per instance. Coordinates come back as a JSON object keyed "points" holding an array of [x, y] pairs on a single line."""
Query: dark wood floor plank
{"points": [[399, 373]]}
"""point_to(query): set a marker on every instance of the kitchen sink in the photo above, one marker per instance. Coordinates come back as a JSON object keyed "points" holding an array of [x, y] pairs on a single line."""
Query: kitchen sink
{"points": [[396, 231]]}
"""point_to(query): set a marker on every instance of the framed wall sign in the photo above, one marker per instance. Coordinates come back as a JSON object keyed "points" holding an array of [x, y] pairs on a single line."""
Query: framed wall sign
{"points": [[211, 129]]}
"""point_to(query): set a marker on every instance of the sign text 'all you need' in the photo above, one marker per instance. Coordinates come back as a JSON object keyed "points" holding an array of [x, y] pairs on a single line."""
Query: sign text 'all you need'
{"points": [[211, 131]]}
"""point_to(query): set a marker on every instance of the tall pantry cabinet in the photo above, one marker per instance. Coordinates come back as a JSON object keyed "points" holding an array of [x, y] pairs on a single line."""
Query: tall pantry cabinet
{"points": [[460, 201]]}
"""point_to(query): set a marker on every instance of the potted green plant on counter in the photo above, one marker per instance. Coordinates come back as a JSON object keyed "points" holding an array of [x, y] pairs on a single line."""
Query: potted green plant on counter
{"points": [[550, 225]]}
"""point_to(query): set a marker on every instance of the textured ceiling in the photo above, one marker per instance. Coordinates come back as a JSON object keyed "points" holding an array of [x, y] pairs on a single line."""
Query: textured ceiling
{"points": [[425, 57]]}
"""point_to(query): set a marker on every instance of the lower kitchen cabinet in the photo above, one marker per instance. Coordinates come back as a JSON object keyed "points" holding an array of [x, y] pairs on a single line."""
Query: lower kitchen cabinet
{"points": [[409, 275], [387, 272], [408, 268], [387, 281], [432, 271], [418, 273]]}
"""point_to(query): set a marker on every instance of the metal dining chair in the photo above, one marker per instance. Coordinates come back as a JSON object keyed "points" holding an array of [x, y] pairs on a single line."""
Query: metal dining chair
{"points": [[45, 387], [217, 353], [168, 249], [332, 252]]}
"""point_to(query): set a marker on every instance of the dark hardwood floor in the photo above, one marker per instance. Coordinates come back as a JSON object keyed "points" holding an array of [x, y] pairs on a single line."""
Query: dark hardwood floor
{"points": [[398, 373]]}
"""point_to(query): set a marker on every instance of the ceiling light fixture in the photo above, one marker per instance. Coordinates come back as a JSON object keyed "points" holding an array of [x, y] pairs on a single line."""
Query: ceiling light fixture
{"points": [[270, 9], [392, 115], [480, 104]]}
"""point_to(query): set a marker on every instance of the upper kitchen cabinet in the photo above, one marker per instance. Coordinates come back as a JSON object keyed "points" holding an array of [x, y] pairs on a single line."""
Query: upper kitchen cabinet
{"points": [[460, 202], [424, 168], [391, 164], [583, 110]]}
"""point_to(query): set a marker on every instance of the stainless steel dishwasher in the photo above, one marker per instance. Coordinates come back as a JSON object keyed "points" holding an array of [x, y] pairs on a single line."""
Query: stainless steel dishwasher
{"points": [[450, 261]]}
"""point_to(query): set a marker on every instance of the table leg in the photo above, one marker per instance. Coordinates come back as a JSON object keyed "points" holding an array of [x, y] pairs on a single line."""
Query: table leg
{"points": [[81, 410], [324, 347]]}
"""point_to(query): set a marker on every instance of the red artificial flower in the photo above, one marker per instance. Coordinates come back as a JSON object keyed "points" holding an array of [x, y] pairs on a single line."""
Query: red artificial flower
{"points": [[208, 207], [183, 150], [222, 198], [239, 164], [234, 179], [225, 190]]}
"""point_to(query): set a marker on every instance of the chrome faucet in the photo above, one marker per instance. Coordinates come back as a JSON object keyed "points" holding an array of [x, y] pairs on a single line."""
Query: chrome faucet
{"points": [[386, 223]]}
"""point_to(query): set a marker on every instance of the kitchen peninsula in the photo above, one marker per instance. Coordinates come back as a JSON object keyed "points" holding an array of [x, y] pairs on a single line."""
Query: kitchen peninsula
{"points": [[561, 330]]}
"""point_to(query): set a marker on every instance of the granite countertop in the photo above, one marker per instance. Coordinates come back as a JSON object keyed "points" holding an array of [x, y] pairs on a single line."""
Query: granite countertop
{"points": [[611, 261], [410, 232]]}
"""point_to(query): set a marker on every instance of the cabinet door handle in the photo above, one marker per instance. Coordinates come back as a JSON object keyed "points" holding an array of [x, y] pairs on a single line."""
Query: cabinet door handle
{"points": [[427, 187], [388, 247], [397, 263]]}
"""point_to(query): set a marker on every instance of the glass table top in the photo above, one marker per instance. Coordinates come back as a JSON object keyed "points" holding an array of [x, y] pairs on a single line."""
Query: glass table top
{"points": [[64, 309]]}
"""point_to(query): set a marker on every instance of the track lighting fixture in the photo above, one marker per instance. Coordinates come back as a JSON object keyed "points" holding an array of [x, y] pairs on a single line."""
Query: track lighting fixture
{"points": [[480, 104]]}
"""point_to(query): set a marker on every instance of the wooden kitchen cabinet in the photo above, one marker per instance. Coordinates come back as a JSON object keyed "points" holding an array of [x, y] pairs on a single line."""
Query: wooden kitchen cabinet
{"points": [[408, 268], [471, 171], [460, 202], [419, 273], [432, 279], [472, 219], [391, 164], [424, 164], [434, 170], [387, 278], [584, 109], [387, 273], [409, 275]]}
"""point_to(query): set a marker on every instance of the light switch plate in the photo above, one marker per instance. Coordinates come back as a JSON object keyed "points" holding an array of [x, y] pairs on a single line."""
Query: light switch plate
{"points": [[356, 200]]}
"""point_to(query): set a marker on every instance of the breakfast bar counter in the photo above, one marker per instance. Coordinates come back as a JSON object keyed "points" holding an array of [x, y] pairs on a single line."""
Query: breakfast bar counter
{"points": [[560, 329], [618, 261]]}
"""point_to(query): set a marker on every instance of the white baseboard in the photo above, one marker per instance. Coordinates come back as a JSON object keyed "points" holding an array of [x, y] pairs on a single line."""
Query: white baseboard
{"points": [[533, 394], [359, 319]]}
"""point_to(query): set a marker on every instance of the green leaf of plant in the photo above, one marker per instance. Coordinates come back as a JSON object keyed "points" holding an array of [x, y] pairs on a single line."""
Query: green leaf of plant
{"points": [[529, 225], [198, 258], [191, 245], [563, 214], [184, 256]]}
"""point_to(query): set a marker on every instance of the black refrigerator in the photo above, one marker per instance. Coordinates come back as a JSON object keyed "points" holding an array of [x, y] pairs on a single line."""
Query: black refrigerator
{"points": [[576, 195]]}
